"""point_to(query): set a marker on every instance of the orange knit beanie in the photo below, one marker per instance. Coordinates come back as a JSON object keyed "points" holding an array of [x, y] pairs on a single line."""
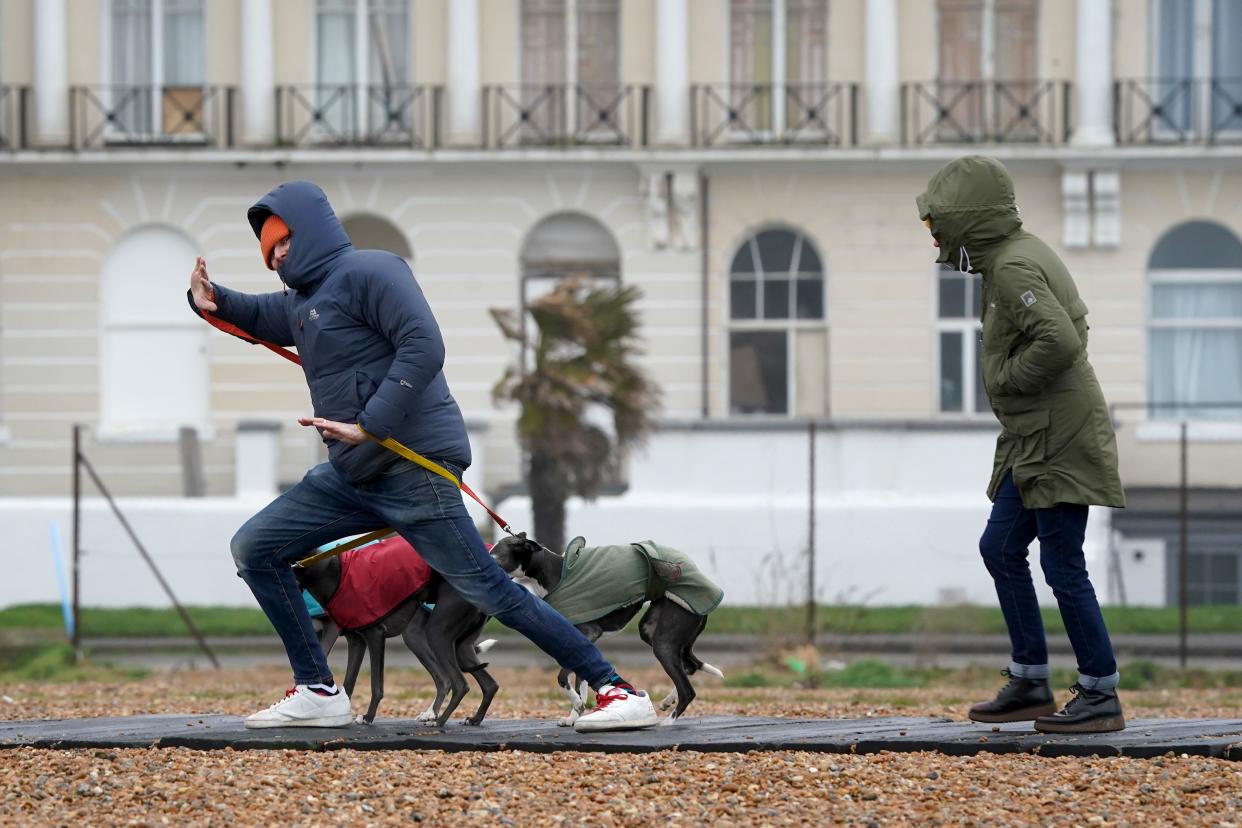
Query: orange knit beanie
{"points": [[274, 229]]}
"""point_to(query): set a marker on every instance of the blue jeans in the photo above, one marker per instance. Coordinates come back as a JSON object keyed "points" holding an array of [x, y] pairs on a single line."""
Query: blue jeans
{"points": [[427, 510], [1060, 530]]}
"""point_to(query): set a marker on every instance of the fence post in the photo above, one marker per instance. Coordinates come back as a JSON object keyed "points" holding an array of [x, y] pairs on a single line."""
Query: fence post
{"points": [[810, 543], [77, 546], [1183, 561]]}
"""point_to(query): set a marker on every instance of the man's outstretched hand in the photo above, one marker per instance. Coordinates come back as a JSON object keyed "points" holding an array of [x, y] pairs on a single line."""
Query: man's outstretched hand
{"points": [[200, 286], [345, 432]]}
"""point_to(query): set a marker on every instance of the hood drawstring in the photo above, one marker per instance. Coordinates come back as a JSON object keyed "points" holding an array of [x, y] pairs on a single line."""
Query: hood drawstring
{"points": [[963, 254]]}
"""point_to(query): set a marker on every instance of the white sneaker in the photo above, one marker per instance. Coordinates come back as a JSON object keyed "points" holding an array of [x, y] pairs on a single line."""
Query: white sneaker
{"points": [[303, 707], [618, 709]]}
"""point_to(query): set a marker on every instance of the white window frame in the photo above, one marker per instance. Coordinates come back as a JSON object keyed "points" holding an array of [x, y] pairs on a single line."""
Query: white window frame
{"points": [[362, 54], [779, 76], [157, 71], [571, 65], [971, 329], [790, 326], [1154, 427]]}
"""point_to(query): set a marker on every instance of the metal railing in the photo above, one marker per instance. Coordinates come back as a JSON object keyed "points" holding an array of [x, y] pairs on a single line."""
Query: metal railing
{"points": [[13, 117], [351, 115], [1177, 110], [132, 115], [564, 115], [976, 112], [759, 114]]}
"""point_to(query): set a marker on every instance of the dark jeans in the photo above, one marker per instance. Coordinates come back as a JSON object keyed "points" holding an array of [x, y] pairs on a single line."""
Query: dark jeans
{"points": [[427, 510], [1060, 530]]}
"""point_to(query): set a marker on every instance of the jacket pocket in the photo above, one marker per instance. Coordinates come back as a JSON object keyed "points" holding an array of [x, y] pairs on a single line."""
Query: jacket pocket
{"points": [[1030, 431]]}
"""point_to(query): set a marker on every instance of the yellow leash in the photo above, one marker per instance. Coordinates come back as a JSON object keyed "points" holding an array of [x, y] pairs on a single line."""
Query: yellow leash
{"points": [[416, 458]]}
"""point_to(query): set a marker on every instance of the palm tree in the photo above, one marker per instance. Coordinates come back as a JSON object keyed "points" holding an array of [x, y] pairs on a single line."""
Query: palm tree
{"points": [[585, 344]]}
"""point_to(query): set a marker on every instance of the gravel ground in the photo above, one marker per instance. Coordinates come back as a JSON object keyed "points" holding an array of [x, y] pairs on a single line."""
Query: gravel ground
{"points": [[180, 787]]}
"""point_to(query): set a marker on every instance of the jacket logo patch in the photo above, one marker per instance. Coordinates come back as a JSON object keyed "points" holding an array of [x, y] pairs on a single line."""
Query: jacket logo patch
{"points": [[1027, 298], [313, 315]]}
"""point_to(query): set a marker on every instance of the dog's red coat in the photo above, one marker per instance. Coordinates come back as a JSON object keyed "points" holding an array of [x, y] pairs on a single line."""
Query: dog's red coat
{"points": [[374, 579]]}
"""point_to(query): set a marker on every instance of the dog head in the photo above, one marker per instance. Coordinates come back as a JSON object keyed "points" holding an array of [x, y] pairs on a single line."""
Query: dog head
{"points": [[515, 553]]}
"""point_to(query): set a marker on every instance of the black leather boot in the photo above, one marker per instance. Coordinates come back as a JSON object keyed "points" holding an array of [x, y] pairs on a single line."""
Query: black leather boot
{"points": [[1090, 711], [1021, 700]]}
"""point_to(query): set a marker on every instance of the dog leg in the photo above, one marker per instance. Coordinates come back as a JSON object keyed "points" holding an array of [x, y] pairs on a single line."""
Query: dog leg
{"points": [[375, 648], [415, 638], [452, 618], [577, 698], [669, 700], [669, 654], [357, 648]]}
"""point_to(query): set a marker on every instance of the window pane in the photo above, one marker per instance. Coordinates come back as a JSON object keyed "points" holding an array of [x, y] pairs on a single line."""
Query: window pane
{"points": [[810, 299], [742, 298], [806, 41], [810, 373], [808, 258], [132, 65], [1187, 301], [1016, 29], [1196, 366], [184, 43], [1176, 33], [389, 40], [776, 248], [598, 37], [951, 371], [775, 298], [750, 42], [982, 403], [543, 41], [952, 296], [758, 372], [1197, 244], [743, 262], [961, 39]]}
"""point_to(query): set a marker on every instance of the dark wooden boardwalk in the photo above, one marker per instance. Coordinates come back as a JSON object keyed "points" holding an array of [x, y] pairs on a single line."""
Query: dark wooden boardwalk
{"points": [[1221, 738]]}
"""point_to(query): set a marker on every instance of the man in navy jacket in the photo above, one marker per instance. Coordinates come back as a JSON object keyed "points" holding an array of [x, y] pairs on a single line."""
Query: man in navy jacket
{"points": [[373, 358]]}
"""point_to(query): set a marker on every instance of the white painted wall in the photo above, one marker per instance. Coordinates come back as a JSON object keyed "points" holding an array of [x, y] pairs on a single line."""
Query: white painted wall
{"points": [[899, 513]]}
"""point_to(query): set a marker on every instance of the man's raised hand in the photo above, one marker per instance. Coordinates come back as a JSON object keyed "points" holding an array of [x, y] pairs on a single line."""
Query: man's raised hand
{"points": [[200, 286]]}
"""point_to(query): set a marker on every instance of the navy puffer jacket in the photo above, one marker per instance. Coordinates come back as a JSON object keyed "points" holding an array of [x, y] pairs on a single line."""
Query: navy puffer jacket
{"points": [[370, 347]]}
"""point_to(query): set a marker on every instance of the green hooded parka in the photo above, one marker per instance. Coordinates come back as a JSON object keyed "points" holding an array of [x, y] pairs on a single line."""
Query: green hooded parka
{"points": [[1058, 436]]}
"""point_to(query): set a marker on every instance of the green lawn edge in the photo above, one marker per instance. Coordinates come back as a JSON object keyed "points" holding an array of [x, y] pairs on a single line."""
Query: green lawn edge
{"points": [[132, 622]]}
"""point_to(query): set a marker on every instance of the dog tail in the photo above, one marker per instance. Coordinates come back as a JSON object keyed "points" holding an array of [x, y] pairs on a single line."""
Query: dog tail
{"points": [[715, 671], [483, 646]]}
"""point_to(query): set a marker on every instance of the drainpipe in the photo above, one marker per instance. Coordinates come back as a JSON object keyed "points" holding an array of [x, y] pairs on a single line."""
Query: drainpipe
{"points": [[704, 236]]}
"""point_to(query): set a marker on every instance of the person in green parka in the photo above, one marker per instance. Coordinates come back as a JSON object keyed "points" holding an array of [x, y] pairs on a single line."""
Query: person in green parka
{"points": [[1056, 454]]}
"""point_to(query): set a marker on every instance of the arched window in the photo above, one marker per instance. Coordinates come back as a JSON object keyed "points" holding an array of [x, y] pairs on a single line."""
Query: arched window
{"points": [[371, 232], [778, 342], [153, 350], [566, 244], [1195, 334]]}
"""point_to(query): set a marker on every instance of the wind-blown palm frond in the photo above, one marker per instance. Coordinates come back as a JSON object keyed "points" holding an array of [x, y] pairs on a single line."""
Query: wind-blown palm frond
{"points": [[585, 348]]}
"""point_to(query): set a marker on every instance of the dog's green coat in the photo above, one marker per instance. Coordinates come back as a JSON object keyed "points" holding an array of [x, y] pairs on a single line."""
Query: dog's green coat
{"points": [[595, 580]]}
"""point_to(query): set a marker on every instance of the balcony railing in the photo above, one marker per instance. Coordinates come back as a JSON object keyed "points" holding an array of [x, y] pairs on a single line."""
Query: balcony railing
{"points": [[1177, 111], [564, 115], [12, 117], [976, 112], [182, 116], [351, 115], [732, 114]]}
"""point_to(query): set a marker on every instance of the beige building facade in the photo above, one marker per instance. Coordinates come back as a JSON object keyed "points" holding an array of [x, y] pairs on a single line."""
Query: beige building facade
{"points": [[751, 165]]}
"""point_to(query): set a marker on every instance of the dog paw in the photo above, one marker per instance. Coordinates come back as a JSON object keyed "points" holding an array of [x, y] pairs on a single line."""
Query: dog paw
{"points": [[669, 701], [361, 719], [428, 715], [568, 721]]}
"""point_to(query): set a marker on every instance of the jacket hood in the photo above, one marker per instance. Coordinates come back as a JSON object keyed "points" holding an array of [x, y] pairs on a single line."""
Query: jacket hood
{"points": [[318, 238], [971, 205]]}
